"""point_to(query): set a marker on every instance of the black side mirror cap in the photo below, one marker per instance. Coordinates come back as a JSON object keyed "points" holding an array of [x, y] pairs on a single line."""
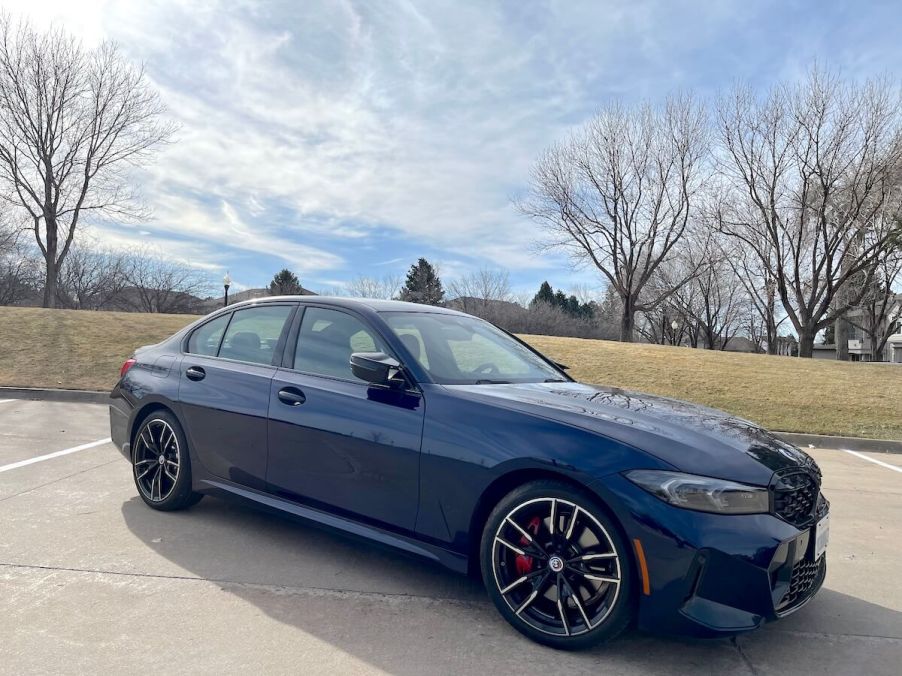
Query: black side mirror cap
{"points": [[376, 368]]}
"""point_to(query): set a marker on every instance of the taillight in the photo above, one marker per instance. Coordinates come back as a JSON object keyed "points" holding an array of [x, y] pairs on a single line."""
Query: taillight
{"points": [[127, 365]]}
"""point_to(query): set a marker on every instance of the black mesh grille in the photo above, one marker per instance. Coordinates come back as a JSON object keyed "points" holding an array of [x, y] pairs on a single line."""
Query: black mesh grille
{"points": [[804, 578], [795, 495]]}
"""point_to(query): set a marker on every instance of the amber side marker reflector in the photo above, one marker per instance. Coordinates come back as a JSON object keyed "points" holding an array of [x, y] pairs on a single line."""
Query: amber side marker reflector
{"points": [[643, 567]]}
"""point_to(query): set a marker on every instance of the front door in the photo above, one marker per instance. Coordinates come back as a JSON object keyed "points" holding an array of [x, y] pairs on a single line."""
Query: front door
{"points": [[334, 441]]}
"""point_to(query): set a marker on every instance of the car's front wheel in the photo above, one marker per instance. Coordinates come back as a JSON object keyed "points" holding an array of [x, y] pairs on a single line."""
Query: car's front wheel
{"points": [[556, 566], [161, 465]]}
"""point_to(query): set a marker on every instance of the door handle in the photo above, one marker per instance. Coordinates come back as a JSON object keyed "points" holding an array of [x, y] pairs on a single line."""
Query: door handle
{"points": [[291, 396], [195, 373]]}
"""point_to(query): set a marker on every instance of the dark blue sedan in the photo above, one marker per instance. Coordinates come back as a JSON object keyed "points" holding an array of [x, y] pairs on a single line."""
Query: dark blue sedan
{"points": [[583, 508]]}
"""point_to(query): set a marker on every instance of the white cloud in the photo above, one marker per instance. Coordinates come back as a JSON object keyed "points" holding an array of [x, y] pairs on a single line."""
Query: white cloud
{"points": [[308, 126]]}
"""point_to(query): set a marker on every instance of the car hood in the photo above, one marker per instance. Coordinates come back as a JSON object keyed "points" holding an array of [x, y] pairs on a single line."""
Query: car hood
{"points": [[689, 437]]}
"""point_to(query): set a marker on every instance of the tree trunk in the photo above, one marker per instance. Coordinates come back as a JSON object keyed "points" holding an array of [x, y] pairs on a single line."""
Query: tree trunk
{"points": [[770, 322], [841, 338], [51, 279], [627, 321], [806, 342]]}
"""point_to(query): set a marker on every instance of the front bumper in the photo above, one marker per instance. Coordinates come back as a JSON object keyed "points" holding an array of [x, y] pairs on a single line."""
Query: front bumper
{"points": [[711, 574]]}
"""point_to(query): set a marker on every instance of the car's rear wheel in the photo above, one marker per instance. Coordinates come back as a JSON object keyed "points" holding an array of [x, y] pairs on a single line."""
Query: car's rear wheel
{"points": [[556, 567], [161, 465]]}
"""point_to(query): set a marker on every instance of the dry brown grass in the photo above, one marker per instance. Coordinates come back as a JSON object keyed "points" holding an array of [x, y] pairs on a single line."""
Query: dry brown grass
{"points": [[782, 393], [84, 350], [74, 349]]}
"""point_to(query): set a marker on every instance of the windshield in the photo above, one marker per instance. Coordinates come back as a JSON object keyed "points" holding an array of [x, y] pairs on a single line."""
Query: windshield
{"points": [[459, 350]]}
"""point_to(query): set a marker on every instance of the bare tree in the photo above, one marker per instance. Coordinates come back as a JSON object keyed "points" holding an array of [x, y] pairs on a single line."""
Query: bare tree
{"points": [[92, 277], [386, 287], [72, 121], [157, 284], [478, 290], [17, 267], [880, 309], [807, 173], [763, 317], [713, 300], [621, 194]]}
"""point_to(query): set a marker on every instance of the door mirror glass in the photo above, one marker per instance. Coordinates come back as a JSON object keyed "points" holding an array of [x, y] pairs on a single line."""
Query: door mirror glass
{"points": [[376, 368]]}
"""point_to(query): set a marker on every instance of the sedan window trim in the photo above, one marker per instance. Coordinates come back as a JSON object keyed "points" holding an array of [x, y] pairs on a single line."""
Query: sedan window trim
{"points": [[295, 334], [274, 363]]}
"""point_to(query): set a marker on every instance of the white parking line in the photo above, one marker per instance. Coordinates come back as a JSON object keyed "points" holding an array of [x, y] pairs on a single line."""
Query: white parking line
{"points": [[41, 458], [877, 462]]}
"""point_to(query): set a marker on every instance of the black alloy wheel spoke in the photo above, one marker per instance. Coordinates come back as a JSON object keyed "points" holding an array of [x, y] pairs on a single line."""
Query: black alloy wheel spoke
{"points": [[574, 595], [529, 538], [562, 604]]}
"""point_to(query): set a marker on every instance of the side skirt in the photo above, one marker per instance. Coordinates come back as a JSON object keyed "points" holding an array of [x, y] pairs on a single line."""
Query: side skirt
{"points": [[456, 562]]}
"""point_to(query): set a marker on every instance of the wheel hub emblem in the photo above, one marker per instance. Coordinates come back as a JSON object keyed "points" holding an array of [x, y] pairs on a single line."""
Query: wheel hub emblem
{"points": [[556, 564], [161, 459]]}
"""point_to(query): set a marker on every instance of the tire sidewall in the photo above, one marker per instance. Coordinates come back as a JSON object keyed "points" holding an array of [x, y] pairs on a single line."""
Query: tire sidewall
{"points": [[624, 607]]}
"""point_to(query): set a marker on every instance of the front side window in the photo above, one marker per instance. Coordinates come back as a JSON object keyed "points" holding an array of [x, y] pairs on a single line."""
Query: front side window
{"points": [[327, 340], [254, 333], [460, 350], [206, 338]]}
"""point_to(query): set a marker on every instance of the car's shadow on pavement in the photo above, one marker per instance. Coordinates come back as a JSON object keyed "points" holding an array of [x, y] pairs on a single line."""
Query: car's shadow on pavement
{"points": [[406, 615]]}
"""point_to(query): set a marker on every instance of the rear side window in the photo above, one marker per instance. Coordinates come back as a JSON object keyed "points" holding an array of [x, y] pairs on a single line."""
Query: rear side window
{"points": [[254, 333], [328, 338], [205, 339]]}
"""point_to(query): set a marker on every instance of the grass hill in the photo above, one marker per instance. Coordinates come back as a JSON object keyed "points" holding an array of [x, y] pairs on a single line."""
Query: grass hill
{"points": [[84, 350]]}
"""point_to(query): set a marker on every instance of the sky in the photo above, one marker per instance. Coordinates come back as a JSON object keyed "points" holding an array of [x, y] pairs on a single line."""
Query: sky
{"points": [[342, 138]]}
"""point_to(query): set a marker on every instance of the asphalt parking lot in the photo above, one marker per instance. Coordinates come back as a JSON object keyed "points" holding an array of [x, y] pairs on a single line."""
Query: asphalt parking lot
{"points": [[91, 579]]}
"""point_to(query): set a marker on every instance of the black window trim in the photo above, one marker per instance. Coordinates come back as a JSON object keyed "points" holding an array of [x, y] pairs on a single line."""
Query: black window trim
{"points": [[187, 339], [278, 351], [291, 347]]}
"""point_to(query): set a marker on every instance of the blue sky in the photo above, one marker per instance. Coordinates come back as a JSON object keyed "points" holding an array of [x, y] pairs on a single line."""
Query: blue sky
{"points": [[340, 138]]}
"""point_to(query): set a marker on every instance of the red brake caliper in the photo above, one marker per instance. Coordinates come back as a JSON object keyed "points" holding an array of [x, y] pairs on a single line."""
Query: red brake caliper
{"points": [[523, 563]]}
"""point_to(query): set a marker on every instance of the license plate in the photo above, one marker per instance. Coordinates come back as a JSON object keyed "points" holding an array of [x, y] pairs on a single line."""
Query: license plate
{"points": [[821, 536]]}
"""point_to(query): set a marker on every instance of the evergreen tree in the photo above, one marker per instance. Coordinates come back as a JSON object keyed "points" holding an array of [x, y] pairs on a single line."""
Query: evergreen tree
{"points": [[545, 294], [573, 308], [285, 283], [423, 285], [558, 299]]}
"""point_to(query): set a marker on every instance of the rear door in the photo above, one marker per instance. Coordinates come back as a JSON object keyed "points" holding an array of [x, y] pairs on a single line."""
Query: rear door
{"points": [[335, 441], [224, 389]]}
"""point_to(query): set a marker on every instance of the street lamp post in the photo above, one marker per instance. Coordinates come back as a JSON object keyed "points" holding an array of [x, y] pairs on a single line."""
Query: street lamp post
{"points": [[226, 283], [674, 325]]}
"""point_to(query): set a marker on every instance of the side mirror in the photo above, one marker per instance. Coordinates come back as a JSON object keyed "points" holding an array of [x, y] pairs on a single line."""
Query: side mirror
{"points": [[376, 368]]}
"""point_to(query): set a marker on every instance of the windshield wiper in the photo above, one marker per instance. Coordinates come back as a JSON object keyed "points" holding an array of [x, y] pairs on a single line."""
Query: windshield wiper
{"points": [[485, 381], [554, 380]]}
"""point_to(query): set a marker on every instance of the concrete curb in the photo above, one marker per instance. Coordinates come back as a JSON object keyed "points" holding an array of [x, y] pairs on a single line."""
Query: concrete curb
{"points": [[802, 440], [845, 443], [72, 396]]}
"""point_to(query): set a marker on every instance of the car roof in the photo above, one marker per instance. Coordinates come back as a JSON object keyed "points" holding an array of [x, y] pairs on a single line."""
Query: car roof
{"points": [[376, 304]]}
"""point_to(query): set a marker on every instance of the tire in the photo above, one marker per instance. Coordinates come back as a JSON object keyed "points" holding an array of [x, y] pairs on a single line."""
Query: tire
{"points": [[164, 484], [536, 571]]}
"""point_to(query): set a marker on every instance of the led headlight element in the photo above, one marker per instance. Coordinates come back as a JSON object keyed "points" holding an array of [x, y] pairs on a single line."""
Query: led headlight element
{"points": [[701, 493]]}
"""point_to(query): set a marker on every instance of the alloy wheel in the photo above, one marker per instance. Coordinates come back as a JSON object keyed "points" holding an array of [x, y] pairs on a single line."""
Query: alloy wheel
{"points": [[556, 566], [157, 460]]}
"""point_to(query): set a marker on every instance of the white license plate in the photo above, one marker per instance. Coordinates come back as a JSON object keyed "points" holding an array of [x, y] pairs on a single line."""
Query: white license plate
{"points": [[821, 536]]}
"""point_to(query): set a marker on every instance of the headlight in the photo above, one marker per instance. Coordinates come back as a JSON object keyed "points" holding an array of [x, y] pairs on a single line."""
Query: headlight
{"points": [[701, 493]]}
